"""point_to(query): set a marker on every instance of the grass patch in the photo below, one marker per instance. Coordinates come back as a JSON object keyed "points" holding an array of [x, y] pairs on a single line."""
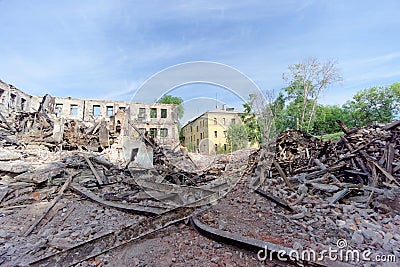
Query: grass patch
{"points": [[331, 137]]}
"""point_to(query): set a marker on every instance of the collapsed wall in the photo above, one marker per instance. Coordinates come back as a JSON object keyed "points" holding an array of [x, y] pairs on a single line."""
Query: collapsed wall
{"points": [[83, 124]]}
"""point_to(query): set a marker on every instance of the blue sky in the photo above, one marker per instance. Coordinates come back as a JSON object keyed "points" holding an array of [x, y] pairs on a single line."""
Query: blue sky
{"points": [[107, 49]]}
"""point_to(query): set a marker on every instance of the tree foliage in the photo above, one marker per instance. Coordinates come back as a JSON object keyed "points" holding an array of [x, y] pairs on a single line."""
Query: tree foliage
{"points": [[375, 104], [325, 118], [287, 116], [237, 137], [169, 99], [306, 82], [296, 106], [250, 121]]}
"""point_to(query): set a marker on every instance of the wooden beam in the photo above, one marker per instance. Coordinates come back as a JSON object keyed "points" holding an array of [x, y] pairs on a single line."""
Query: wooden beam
{"points": [[52, 203], [282, 174], [96, 174]]}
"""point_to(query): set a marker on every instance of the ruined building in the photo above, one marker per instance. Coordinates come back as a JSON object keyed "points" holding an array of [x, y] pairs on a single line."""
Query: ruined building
{"points": [[159, 120]]}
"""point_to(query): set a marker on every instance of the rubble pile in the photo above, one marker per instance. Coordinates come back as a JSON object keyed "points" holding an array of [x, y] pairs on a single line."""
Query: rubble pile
{"points": [[362, 160], [38, 128], [175, 174], [295, 148], [329, 190], [42, 179]]}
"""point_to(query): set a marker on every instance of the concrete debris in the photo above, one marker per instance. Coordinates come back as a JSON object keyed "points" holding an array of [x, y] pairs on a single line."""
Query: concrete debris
{"points": [[71, 187], [351, 186], [40, 156]]}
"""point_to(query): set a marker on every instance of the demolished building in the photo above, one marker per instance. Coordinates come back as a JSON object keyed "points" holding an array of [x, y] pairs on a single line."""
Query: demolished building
{"points": [[159, 120]]}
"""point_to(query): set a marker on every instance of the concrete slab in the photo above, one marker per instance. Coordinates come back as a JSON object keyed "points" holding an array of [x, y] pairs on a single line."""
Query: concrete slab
{"points": [[136, 151], [58, 130]]}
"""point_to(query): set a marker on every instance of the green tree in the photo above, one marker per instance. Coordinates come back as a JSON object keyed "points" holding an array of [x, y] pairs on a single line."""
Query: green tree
{"points": [[169, 99], [191, 147], [237, 137], [380, 104], [251, 122], [325, 119], [287, 115], [277, 108], [306, 82]]}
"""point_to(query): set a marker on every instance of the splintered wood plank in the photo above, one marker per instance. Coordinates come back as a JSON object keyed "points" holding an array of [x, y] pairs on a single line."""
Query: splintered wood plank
{"points": [[120, 206], [392, 125], [273, 198], [388, 175], [52, 203], [104, 243], [96, 174], [389, 159], [39, 176], [282, 174]]}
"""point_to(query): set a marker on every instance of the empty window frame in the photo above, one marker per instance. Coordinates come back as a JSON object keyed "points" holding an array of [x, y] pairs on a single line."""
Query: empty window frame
{"points": [[223, 121], [122, 108], [233, 121], [74, 110], [153, 113], [96, 110], [23, 102], [118, 126], [142, 113], [163, 113], [58, 108], [153, 132], [215, 121], [110, 111], [215, 134], [13, 100], [1, 95], [163, 132]]}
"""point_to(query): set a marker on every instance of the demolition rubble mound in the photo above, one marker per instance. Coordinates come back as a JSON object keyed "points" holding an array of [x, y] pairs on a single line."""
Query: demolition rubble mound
{"points": [[330, 191], [60, 196], [63, 203]]}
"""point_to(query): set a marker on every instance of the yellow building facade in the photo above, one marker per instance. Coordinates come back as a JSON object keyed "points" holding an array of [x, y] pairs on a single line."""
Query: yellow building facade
{"points": [[206, 133]]}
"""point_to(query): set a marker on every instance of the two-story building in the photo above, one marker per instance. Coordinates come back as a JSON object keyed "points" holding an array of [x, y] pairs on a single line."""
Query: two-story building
{"points": [[206, 133]]}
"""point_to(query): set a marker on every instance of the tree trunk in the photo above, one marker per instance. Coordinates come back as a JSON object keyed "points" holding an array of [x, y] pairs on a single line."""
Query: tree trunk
{"points": [[303, 113], [313, 107]]}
